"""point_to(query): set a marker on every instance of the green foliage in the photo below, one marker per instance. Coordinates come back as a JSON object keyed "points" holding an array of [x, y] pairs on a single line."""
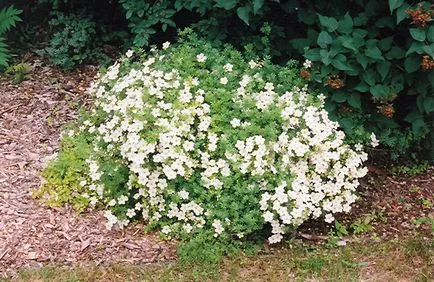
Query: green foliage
{"points": [[62, 174], [73, 41], [410, 170], [18, 72], [377, 59], [9, 16]]}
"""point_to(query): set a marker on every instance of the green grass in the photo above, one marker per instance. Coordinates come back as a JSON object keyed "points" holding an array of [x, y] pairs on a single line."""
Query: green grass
{"points": [[396, 260]]}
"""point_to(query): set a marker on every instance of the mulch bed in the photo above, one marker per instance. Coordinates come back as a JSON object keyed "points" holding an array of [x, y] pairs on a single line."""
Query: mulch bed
{"points": [[32, 234]]}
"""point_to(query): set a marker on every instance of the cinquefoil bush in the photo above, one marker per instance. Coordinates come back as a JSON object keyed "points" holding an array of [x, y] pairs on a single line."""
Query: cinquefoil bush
{"points": [[197, 141]]}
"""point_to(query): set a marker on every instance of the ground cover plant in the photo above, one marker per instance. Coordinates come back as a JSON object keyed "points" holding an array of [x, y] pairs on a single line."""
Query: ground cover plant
{"points": [[207, 146]]}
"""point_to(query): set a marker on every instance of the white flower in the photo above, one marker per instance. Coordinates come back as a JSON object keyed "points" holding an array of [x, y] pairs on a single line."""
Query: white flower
{"points": [[374, 140], [218, 227], [131, 213], [307, 64], [224, 80], [329, 218], [201, 58], [183, 194], [122, 200], [166, 229], [235, 122], [129, 53], [166, 45], [228, 67], [253, 64], [112, 202]]}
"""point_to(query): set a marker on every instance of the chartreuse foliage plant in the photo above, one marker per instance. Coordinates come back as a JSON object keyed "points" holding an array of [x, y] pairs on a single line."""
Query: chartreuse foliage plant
{"points": [[207, 146], [9, 16]]}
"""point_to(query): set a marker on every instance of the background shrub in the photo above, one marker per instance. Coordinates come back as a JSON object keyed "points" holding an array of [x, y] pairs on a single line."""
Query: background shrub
{"points": [[8, 18], [374, 58]]}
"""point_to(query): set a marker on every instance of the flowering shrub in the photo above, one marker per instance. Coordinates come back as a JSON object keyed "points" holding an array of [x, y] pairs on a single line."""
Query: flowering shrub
{"points": [[198, 141]]}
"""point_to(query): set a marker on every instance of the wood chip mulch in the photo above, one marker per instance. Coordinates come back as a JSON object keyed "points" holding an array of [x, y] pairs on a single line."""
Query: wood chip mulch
{"points": [[32, 234]]}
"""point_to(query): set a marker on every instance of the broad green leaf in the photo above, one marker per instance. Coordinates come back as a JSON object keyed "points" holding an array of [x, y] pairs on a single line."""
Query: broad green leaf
{"points": [[306, 16], [360, 20], [257, 5], [428, 104], [416, 47], [386, 43], [374, 52], [379, 91], [339, 96], [313, 54], [418, 34], [362, 87], [412, 64], [324, 39], [383, 69], [354, 100], [347, 42], [386, 21], [326, 57], [369, 77], [244, 13], [395, 53], [345, 25], [331, 24], [340, 63], [429, 49], [226, 4], [401, 13], [413, 116], [430, 34], [394, 4], [418, 126]]}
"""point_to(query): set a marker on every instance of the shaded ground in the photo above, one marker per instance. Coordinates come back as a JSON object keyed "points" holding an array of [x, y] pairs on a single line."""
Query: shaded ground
{"points": [[32, 235]]}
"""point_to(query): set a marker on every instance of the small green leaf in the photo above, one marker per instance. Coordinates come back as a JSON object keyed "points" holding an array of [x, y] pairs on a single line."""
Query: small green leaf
{"points": [[394, 4], [243, 13], [412, 63], [354, 100], [331, 24], [324, 39], [383, 69], [418, 34]]}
